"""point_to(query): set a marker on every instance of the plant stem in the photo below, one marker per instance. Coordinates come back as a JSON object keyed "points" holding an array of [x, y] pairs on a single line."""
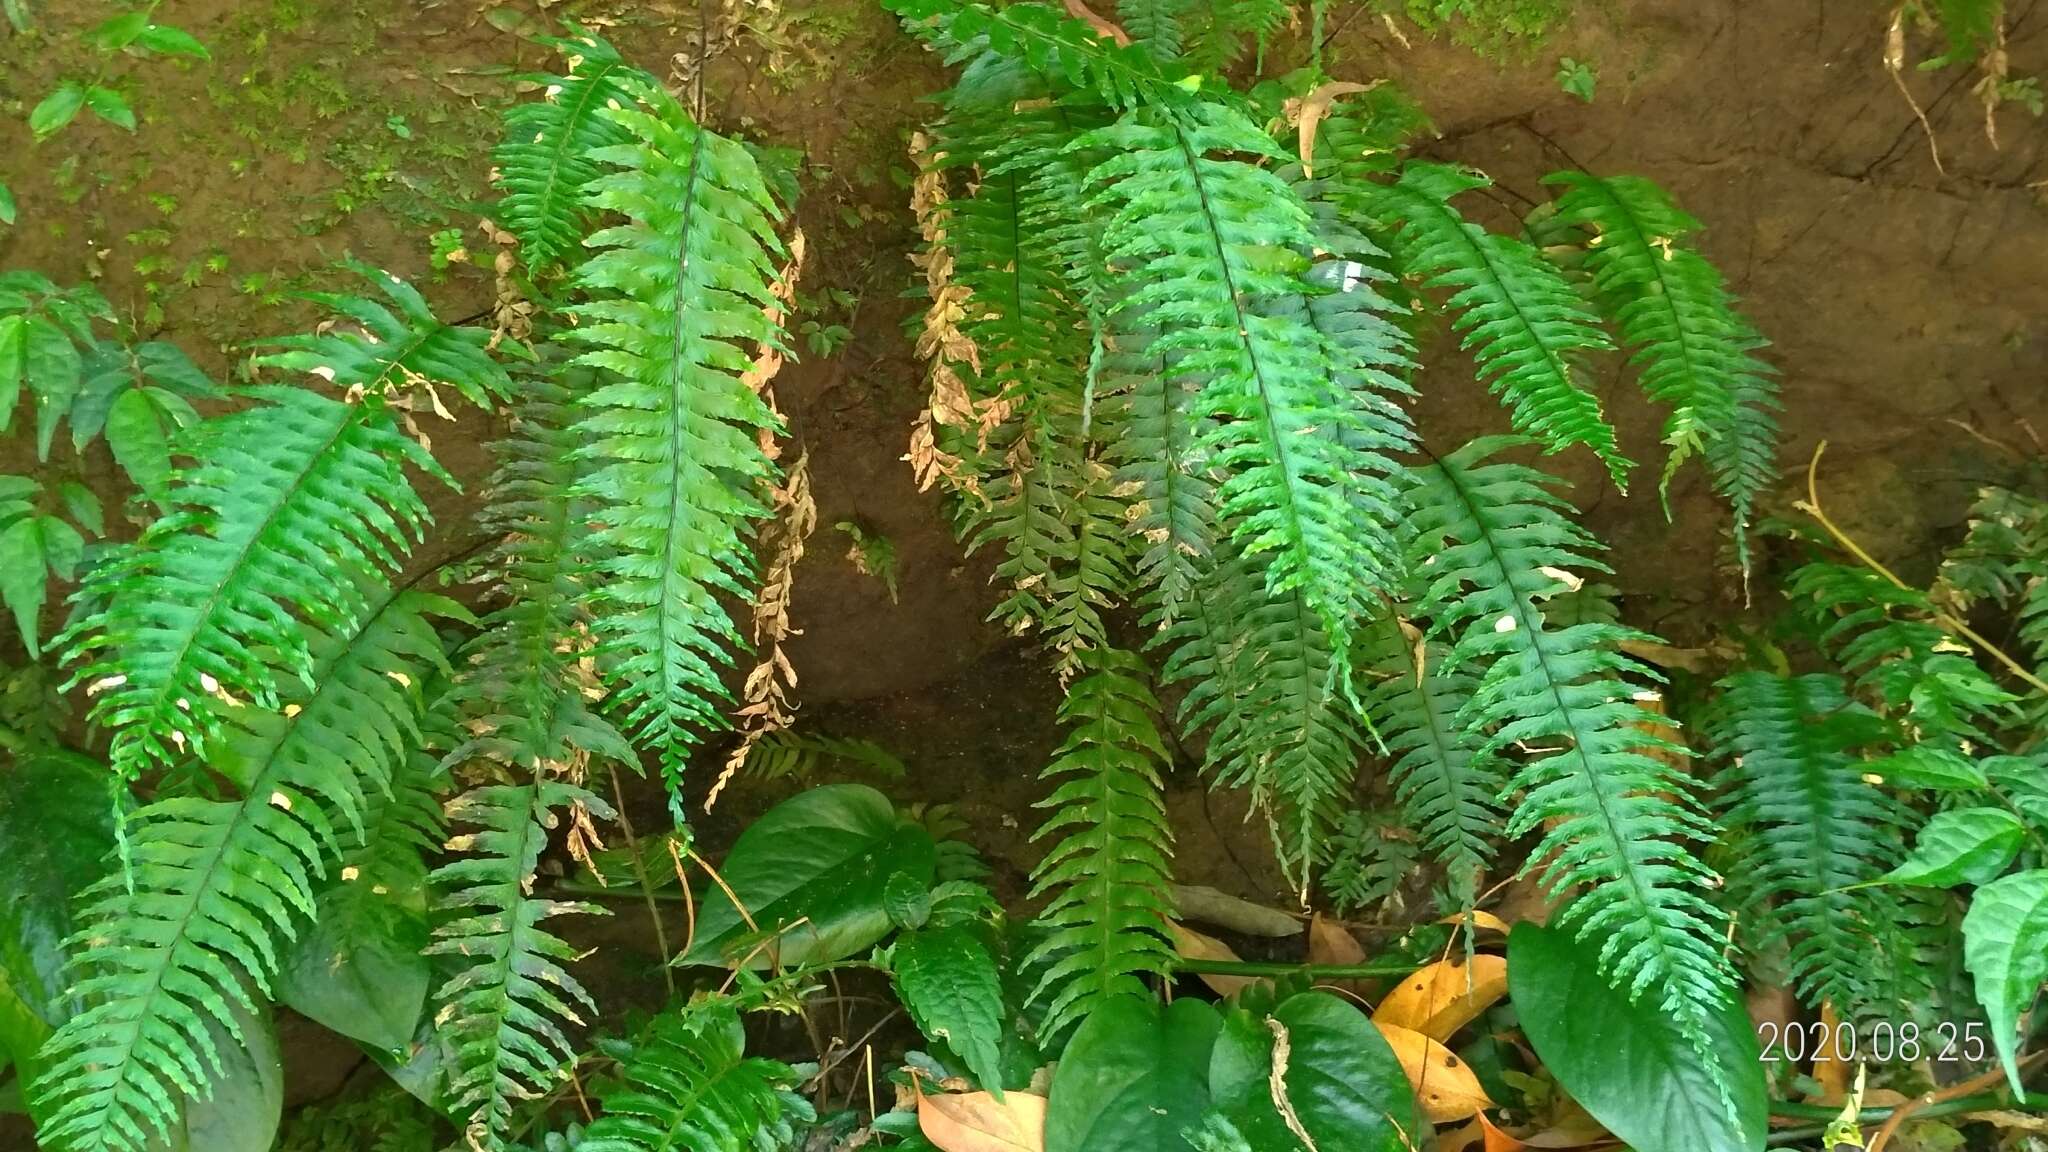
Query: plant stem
{"points": [[1286, 968]]}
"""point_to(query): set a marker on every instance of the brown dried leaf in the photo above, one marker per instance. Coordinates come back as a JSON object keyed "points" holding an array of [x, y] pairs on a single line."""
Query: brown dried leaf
{"points": [[1445, 1085], [1443, 997], [1330, 943], [1192, 945], [1308, 115], [977, 1122], [1085, 14]]}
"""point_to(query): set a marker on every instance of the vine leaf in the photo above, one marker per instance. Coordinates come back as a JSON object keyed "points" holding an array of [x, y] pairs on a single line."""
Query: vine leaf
{"points": [[2005, 946], [1961, 846], [949, 984]]}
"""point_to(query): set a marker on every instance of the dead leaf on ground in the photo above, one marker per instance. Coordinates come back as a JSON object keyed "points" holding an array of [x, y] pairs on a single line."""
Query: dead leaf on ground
{"points": [[1309, 115], [1329, 942], [1481, 920], [1446, 1085], [1206, 905], [976, 1122], [1440, 999], [1830, 1071], [1192, 945], [1088, 16]]}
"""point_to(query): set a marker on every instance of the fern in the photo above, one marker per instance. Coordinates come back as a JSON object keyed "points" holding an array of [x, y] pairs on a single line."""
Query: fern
{"points": [[289, 510], [1695, 351], [1157, 26], [1817, 831], [681, 292], [1618, 816], [1108, 872], [1449, 793], [218, 884], [1372, 855], [1523, 322], [546, 164], [1212, 251], [503, 1011], [2004, 561], [690, 1087], [1048, 41]]}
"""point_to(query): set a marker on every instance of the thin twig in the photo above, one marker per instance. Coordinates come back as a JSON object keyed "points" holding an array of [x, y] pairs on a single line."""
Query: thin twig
{"points": [[1965, 1088], [668, 977], [1811, 506]]}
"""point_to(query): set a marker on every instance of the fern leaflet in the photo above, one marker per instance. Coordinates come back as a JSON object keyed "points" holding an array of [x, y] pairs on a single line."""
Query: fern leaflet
{"points": [[690, 1087], [545, 161]]}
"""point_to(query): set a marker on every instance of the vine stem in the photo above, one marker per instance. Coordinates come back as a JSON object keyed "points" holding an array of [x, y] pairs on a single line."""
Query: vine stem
{"points": [[1284, 968], [1812, 507]]}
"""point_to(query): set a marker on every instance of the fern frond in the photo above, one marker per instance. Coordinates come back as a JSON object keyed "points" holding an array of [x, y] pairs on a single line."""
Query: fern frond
{"points": [[690, 1087], [1157, 26], [1817, 832], [786, 754], [1618, 816], [290, 510], [1050, 42], [1213, 251], [1371, 856], [682, 292], [545, 162], [2004, 561], [219, 884], [1695, 352], [1223, 26], [1159, 462], [503, 1012], [1522, 321], [1107, 875], [1448, 790]]}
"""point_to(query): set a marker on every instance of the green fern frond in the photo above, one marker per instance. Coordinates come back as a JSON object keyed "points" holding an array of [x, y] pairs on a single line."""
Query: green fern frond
{"points": [[1108, 873], [1050, 42], [290, 510], [682, 293], [1794, 779], [503, 1012], [2004, 561], [1618, 815], [545, 162], [1222, 28], [1372, 855], [1695, 352], [1159, 462], [1157, 26], [690, 1087], [218, 885], [1522, 321], [1449, 792], [1213, 252], [787, 754], [383, 353]]}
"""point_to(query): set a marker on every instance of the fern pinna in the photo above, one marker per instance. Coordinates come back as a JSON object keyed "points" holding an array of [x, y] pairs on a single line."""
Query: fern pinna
{"points": [[689, 1086], [1618, 816], [680, 295], [217, 887], [546, 161]]}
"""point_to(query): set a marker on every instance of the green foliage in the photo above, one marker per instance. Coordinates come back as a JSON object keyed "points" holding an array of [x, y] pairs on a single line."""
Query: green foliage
{"points": [[1107, 873], [504, 1008], [949, 984], [1817, 832], [1523, 322], [1341, 1082], [1134, 1076], [1371, 856], [1617, 812], [547, 159], [217, 886], [1694, 350], [690, 1085], [677, 305]]}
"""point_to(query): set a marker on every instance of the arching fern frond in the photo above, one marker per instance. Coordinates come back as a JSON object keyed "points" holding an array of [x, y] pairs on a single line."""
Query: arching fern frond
{"points": [[1818, 831], [690, 1087], [1048, 40], [1522, 321], [1694, 350], [1108, 873], [1156, 26], [219, 884], [1618, 817], [545, 162], [503, 1012], [682, 293], [290, 510]]}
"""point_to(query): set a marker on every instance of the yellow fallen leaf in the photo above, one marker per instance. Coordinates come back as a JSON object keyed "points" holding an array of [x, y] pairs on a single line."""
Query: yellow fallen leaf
{"points": [[1482, 920], [976, 1122], [1445, 1085], [1831, 1072], [1192, 945], [1311, 113], [1443, 997]]}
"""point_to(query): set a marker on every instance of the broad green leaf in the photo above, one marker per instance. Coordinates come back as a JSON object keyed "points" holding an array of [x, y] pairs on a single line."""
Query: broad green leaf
{"points": [[248, 1096], [362, 969], [1929, 766], [908, 903], [24, 577], [1961, 846], [824, 857], [110, 106], [1626, 1062], [6, 204], [2024, 781], [136, 436], [949, 983], [421, 1066], [167, 364], [2005, 946], [56, 835], [83, 506], [1343, 1083], [168, 41], [53, 377], [1133, 1076], [120, 31], [13, 360], [57, 109], [63, 547]]}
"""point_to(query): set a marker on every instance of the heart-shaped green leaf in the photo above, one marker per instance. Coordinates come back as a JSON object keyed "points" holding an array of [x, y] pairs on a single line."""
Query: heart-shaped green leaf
{"points": [[1343, 1085], [1626, 1062], [56, 835], [361, 968], [1961, 846], [1134, 1076], [824, 858], [2005, 946]]}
